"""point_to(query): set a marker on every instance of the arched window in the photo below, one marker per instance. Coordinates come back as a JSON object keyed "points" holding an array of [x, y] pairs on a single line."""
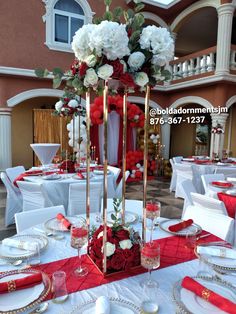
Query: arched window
{"points": [[63, 18]]}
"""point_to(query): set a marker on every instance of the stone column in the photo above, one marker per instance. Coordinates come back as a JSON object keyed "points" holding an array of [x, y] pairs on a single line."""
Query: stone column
{"points": [[165, 137], [5, 139], [217, 140], [225, 18]]}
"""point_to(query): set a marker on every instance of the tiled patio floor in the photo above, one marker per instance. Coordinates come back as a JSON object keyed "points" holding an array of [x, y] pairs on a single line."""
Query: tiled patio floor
{"points": [[159, 189]]}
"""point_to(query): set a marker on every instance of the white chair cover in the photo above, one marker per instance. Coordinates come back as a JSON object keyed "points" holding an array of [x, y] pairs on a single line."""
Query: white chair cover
{"points": [[77, 198], [34, 196], [173, 177], [199, 170], [183, 172], [31, 218], [177, 159], [208, 178], [116, 172], [14, 172], [220, 225], [45, 151], [187, 188], [118, 193], [209, 203], [13, 202]]}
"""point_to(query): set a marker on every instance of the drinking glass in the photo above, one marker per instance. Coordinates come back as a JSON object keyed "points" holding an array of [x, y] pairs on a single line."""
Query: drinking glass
{"points": [[35, 259], [150, 259], [59, 289], [79, 238], [153, 210], [191, 240], [149, 303]]}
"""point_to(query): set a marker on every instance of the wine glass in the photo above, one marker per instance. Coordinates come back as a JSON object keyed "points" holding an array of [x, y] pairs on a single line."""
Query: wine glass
{"points": [[150, 259], [153, 209], [79, 238]]}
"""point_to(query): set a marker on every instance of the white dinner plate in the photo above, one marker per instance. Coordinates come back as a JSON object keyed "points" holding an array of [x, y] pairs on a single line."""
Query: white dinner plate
{"points": [[100, 172], [75, 176], [189, 302], [51, 177], [193, 229], [118, 306], [231, 192], [130, 217], [9, 252], [20, 300], [188, 159], [54, 224]]}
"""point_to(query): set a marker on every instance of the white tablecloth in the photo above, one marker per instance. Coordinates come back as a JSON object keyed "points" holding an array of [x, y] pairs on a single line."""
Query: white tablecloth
{"points": [[58, 190]]}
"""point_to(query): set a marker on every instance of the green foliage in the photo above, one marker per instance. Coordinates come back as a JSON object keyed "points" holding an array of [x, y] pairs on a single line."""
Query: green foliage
{"points": [[107, 2], [57, 81], [39, 72], [57, 72], [139, 7], [108, 16], [166, 74]]}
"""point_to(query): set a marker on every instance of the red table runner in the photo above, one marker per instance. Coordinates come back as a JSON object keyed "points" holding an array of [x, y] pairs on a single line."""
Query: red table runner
{"points": [[173, 252]]}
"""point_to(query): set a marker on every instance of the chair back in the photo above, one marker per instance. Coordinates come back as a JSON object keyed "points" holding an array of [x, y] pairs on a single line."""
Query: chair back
{"points": [[116, 172], [77, 198], [177, 159], [187, 189], [34, 196], [14, 172], [209, 203], [208, 178], [31, 218], [118, 193]]}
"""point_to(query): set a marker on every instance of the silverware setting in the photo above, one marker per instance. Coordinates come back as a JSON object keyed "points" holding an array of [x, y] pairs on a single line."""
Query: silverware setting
{"points": [[41, 308], [13, 263], [50, 234]]}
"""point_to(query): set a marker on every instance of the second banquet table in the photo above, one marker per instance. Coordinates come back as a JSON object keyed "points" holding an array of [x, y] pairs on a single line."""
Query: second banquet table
{"points": [[58, 190]]}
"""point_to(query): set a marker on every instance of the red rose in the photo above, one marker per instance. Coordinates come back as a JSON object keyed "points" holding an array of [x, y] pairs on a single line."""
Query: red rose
{"points": [[118, 260], [74, 67], [136, 252], [122, 234], [82, 69], [129, 258], [118, 68], [127, 80]]}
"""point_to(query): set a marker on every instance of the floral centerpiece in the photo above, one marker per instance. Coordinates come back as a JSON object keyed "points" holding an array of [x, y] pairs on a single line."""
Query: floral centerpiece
{"points": [[218, 129], [122, 246]]}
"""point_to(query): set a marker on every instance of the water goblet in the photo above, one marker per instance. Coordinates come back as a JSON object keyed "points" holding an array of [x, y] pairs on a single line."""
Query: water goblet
{"points": [[79, 238], [149, 303], [150, 259], [153, 209], [59, 289]]}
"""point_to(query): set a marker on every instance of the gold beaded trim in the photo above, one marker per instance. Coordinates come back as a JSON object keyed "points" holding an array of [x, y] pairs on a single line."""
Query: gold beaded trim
{"points": [[206, 294], [11, 285]]}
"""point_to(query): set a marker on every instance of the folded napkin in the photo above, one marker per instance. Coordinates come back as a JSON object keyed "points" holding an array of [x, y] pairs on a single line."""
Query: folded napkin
{"points": [[222, 184], [20, 244], [18, 284], [66, 223], [152, 207], [103, 305], [217, 251], [230, 203], [208, 295], [25, 174], [181, 225], [80, 175]]}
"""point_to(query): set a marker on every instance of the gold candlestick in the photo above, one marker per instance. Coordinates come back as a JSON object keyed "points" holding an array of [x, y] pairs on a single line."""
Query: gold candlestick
{"points": [[88, 159]]}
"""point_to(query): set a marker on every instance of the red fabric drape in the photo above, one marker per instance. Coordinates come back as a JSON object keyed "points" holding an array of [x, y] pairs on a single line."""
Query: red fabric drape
{"points": [[95, 139], [129, 137]]}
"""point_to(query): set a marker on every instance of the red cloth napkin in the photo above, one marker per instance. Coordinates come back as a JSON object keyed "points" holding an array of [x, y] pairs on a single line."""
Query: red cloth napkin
{"points": [[208, 295], [64, 221], [222, 184], [152, 207], [80, 175], [99, 167], [181, 225], [18, 284], [230, 203], [25, 174]]}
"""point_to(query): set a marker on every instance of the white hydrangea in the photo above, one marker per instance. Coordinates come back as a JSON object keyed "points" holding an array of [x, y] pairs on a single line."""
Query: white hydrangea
{"points": [[110, 39], [58, 105], [81, 40], [136, 60], [158, 41], [73, 103]]}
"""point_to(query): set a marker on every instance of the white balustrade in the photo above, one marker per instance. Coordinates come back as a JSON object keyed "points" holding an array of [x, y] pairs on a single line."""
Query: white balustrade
{"points": [[233, 60]]}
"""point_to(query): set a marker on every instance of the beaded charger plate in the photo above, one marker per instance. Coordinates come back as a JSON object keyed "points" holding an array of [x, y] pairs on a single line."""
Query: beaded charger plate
{"points": [[118, 306], [194, 229], [189, 303], [22, 300], [12, 253], [54, 224]]}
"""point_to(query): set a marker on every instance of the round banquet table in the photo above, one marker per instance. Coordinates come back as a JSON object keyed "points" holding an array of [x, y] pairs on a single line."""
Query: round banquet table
{"points": [[58, 190], [127, 289]]}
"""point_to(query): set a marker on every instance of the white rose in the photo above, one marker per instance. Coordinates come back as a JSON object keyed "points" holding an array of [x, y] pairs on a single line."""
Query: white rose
{"points": [[136, 117], [138, 165], [91, 78], [105, 71], [110, 249], [152, 137], [100, 235], [91, 61], [155, 141], [73, 103], [125, 244], [141, 169], [136, 60], [58, 105], [141, 79]]}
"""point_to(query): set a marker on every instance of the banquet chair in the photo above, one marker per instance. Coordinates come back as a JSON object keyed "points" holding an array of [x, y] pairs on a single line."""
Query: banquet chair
{"points": [[208, 178], [118, 192], [31, 218], [226, 171], [177, 159], [220, 225], [187, 188], [183, 172], [198, 171], [116, 172], [34, 195], [14, 172], [173, 176], [77, 198], [13, 202]]}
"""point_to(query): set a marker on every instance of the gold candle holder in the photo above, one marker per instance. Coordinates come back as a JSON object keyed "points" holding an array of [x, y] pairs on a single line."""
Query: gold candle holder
{"points": [[88, 159], [79, 142]]}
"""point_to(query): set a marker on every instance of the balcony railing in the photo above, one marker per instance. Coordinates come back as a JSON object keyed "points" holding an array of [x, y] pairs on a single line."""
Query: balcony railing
{"points": [[233, 58], [197, 63]]}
